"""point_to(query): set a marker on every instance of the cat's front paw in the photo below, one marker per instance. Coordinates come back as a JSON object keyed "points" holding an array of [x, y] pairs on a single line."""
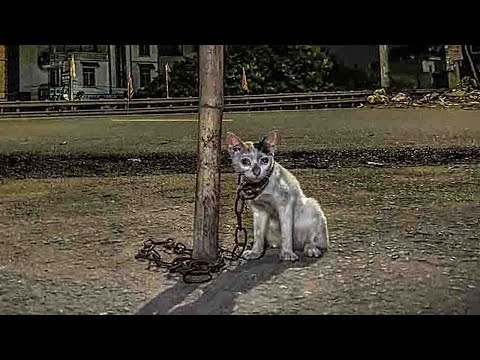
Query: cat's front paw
{"points": [[251, 255], [313, 251], [288, 255]]}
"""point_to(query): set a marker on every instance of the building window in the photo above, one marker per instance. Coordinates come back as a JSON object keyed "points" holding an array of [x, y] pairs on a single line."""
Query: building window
{"points": [[73, 48], [54, 80], [88, 77], [144, 50], [170, 50], [145, 75], [89, 48], [475, 49], [57, 48]]}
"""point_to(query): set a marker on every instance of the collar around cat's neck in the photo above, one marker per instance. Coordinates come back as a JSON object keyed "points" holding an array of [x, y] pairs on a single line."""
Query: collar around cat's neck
{"points": [[251, 190]]}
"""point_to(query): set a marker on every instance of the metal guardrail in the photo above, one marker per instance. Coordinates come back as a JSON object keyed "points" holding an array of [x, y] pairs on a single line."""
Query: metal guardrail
{"points": [[189, 104]]}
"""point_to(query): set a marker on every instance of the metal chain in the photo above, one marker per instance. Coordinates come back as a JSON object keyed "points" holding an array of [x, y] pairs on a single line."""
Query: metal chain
{"points": [[198, 271]]}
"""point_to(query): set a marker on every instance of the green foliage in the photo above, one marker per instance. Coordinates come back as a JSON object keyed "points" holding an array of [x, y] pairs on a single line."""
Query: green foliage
{"points": [[183, 81], [270, 69], [276, 69], [346, 78]]}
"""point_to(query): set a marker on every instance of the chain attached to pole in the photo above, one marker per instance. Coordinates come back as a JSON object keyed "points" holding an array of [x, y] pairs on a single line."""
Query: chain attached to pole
{"points": [[197, 271]]}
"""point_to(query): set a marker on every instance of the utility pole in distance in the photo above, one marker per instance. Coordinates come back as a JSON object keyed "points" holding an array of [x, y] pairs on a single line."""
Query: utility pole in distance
{"points": [[453, 55], [384, 66]]}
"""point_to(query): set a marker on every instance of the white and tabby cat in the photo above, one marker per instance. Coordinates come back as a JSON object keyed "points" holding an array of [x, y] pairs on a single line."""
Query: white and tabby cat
{"points": [[282, 214]]}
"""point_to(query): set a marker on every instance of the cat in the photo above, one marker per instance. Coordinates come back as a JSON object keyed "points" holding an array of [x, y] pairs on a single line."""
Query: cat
{"points": [[281, 212]]}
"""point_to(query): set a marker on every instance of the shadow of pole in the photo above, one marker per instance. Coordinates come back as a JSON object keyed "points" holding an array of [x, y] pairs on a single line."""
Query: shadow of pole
{"points": [[218, 297]]}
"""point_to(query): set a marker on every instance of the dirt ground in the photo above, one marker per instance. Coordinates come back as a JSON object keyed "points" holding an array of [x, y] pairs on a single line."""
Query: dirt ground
{"points": [[78, 197], [404, 241]]}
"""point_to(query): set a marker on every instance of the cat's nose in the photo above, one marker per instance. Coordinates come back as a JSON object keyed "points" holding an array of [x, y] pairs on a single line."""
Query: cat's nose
{"points": [[256, 170]]}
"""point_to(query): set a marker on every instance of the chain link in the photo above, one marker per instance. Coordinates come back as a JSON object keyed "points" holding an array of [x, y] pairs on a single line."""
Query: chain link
{"points": [[197, 271]]}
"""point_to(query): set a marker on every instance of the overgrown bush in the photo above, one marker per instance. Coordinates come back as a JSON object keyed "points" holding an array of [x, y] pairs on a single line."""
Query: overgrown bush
{"points": [[346, 78], [183, 81], [277, 69], [270, 69]]}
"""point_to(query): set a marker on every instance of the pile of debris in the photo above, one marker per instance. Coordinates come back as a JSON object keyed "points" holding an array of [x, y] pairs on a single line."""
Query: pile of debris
{"points": [[379, 97], [457, 98], [467, 96]]}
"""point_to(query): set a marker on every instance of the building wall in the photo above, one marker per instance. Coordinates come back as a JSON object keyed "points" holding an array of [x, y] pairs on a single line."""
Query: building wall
{"points": [[134, 61], [138, 60], [101, 80], [12, 72], [128, 52], [99, 61], [116, 89], [31, 76]]}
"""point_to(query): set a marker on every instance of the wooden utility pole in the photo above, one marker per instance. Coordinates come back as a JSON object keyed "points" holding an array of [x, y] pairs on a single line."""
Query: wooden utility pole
{"points": [[453, 55], [207, 200], [384, 66]]}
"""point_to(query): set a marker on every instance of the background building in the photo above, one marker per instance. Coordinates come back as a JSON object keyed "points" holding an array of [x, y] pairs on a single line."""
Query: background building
{"points": [[38, 72]]}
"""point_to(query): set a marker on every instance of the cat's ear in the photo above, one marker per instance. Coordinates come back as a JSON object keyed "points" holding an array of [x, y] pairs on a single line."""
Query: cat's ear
{"points": [[271, 140], [235, 144]]}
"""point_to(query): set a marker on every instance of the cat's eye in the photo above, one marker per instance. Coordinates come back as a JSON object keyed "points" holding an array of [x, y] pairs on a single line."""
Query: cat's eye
{"points": [[264, 161], [245, 162]]}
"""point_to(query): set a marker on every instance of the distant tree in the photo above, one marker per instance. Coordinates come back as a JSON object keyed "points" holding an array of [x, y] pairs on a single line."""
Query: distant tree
{"points": [[269, 69]]}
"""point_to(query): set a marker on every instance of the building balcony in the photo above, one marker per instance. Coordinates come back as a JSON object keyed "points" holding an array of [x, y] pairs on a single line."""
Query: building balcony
{"points": [[80, 56]]}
